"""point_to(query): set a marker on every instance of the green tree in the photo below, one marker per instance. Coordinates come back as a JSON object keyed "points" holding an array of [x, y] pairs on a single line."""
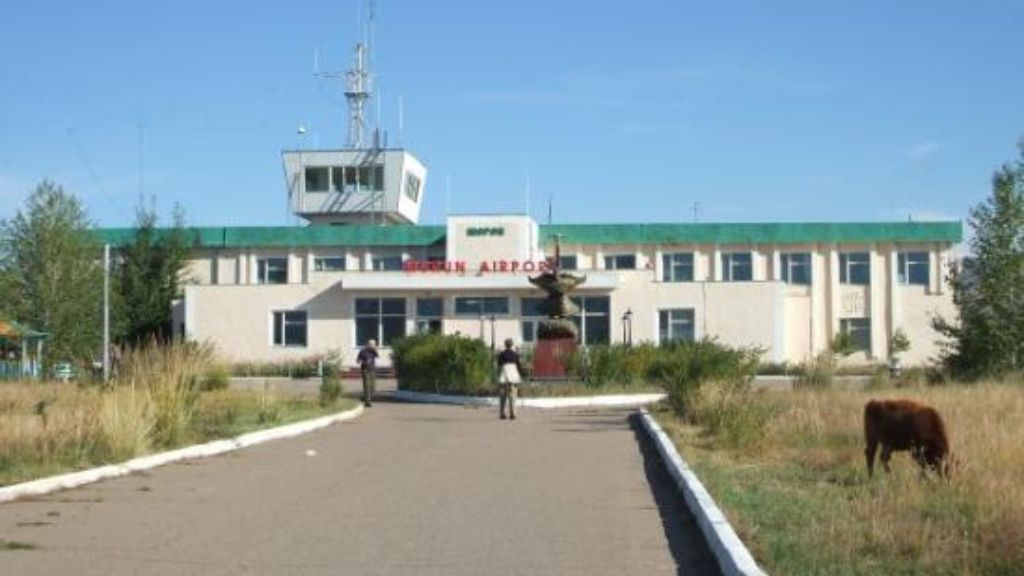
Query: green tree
{"points": [[988, 336], [51, 275], [148, 278]]}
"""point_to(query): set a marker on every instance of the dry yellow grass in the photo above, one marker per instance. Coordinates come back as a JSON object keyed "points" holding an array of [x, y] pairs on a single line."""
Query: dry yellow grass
{"points": [[799, 492]]}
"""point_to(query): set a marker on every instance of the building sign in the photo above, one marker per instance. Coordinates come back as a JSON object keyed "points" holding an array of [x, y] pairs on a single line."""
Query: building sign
{"points": [[485, 231], [485, 267]]}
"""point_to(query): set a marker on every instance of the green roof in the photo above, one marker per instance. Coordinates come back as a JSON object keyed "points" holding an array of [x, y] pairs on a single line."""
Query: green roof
{"points": [[701, 233], [755, 233]]}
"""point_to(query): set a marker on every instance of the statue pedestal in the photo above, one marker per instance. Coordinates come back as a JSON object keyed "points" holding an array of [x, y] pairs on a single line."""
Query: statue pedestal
{"points": [[549, 357]]}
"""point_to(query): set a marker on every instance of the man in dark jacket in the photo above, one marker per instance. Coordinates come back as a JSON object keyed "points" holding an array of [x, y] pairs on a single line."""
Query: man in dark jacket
{"points": [[367, 360]]}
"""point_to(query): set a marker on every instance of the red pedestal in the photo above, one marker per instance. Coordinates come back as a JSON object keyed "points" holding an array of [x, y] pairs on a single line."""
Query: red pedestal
{"points": [[549, 357]]}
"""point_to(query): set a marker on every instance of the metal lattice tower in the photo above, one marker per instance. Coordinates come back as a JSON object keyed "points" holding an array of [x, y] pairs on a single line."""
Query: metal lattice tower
{"points": [[359, 91]]}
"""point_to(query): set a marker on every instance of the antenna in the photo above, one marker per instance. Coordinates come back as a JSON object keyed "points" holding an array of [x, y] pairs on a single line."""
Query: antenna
{"points": [[696, 210], [551, 201], [358, 81]]}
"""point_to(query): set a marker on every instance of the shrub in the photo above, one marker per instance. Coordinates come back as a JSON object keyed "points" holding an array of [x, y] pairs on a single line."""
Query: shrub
{"points": [[216, 378], [819, 372], [330, 387], [300, 368], [682, 367], [733, 412], [442, 363]]}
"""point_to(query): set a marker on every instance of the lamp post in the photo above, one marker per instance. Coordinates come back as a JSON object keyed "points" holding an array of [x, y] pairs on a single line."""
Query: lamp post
{"points": [[494, 361], [627, 327]]}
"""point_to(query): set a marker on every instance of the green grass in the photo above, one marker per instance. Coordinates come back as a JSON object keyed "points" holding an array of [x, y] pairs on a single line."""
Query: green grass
{"points": [[799, 496], [9, 545]]}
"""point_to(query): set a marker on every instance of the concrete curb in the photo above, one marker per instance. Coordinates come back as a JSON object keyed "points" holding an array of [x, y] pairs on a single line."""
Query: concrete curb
{"points": [[75, 479], [730, 552], [542, 403]]}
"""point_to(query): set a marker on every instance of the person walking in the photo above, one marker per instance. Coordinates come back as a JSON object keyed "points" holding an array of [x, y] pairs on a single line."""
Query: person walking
{"points": [[367, 360], [509, 378]]}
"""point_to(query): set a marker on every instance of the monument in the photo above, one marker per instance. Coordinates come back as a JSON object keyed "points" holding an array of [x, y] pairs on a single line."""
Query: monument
{"points": [[557, 335]]}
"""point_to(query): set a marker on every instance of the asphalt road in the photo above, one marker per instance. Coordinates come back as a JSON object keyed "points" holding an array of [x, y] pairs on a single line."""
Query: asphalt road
{"points": [[404, 489]]}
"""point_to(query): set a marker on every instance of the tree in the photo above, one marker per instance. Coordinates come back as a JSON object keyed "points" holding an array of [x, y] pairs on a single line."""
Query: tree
{"points": [[51, 274], [988, 290], [148, 278]]}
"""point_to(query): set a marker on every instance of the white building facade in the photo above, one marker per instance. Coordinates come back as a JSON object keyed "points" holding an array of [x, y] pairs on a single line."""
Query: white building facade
{"points": [[289, 292]]}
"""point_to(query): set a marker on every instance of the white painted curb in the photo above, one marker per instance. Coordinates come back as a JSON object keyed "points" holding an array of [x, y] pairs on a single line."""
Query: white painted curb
{"points": [[730, 552], [543, 403], [75, 479]]}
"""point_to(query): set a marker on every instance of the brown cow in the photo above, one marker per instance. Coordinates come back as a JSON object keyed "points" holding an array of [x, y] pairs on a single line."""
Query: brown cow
{"points": [[906, 425]]}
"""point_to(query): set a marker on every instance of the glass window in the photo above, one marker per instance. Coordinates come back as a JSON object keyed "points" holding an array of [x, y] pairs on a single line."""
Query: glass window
{"points": [[290, 328], [675, 324], [796, 267], [382, 319], [620, 262], [859, 330], [272, 271], [677, 267], [568, 262], [378, 178], [594, 320], [854, 268], [329, 264], [532, 306], [338, 179], [387, 263], [429, 312], [913, 268], [412, 187], [317, 179], [481, 306], [737, 267]]}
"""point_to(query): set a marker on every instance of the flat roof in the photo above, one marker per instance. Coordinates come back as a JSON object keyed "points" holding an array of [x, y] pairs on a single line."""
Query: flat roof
{"points": [[572, 234]]}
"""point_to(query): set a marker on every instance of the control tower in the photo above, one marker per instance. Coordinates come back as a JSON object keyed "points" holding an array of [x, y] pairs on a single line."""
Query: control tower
{"points": [[363, 183]]}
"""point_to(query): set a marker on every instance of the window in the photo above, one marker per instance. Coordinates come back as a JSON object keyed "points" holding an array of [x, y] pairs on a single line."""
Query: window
{"points": [[568, 262], [675, 325], [532, 313], [317, 179], [329, 264], [594, 319], [854, 268], [620, 262], [387, 263], [412, 187], [859, 330], [272, 271], [482, 306], [913, 268], [677, 267], [796, 267], [429, 312], [382, 319], [737, 267], [357, 178], [290, 328]]}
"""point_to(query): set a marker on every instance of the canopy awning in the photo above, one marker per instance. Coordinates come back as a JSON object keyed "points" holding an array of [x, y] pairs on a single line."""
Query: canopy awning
{"points": [[13, 332]]}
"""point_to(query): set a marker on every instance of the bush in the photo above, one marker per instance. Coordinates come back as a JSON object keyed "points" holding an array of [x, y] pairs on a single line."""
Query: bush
{"points": [[330, 387], [442, 363], [300, 368], [820, 372], [733, 412], [216, 378], [682, 367]]}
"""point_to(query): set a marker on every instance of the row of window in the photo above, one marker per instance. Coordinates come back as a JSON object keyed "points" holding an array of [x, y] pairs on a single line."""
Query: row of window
{"points": [[345, 178], [854, 267], [384, 320]]}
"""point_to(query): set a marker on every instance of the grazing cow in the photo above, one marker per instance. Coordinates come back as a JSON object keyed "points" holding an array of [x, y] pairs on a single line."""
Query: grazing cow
{"points": [[905, 425]]}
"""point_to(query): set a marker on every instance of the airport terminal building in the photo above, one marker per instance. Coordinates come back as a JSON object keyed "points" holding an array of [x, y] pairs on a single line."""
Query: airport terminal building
{"points": [[362, 268]]}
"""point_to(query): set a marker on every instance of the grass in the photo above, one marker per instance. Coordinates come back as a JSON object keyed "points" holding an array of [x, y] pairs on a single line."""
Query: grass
{"points": [[570, 388], [796, 489], [157, 403], [9, 545]]}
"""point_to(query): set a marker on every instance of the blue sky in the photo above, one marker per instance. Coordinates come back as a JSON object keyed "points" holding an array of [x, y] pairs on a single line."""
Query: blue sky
{"points": [[624, 112]]}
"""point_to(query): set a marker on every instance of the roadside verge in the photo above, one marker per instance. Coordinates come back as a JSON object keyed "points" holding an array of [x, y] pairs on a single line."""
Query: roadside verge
{"points": [[730, 552], [75, 479]]}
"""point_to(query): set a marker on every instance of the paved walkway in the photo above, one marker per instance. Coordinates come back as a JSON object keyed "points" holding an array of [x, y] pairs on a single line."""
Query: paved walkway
{"points": [[404, 489]]}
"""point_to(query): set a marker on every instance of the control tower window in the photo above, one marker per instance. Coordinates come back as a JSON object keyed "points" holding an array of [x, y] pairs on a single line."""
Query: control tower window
{"points": [[317, 179], [412, 187]]}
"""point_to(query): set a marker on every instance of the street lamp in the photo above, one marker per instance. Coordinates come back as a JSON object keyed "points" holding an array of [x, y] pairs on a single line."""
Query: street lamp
{"points": [[494, 361], [627, 327]]}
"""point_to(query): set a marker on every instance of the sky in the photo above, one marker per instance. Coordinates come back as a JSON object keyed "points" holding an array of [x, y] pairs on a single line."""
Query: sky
{"points": [[640, 111]]}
